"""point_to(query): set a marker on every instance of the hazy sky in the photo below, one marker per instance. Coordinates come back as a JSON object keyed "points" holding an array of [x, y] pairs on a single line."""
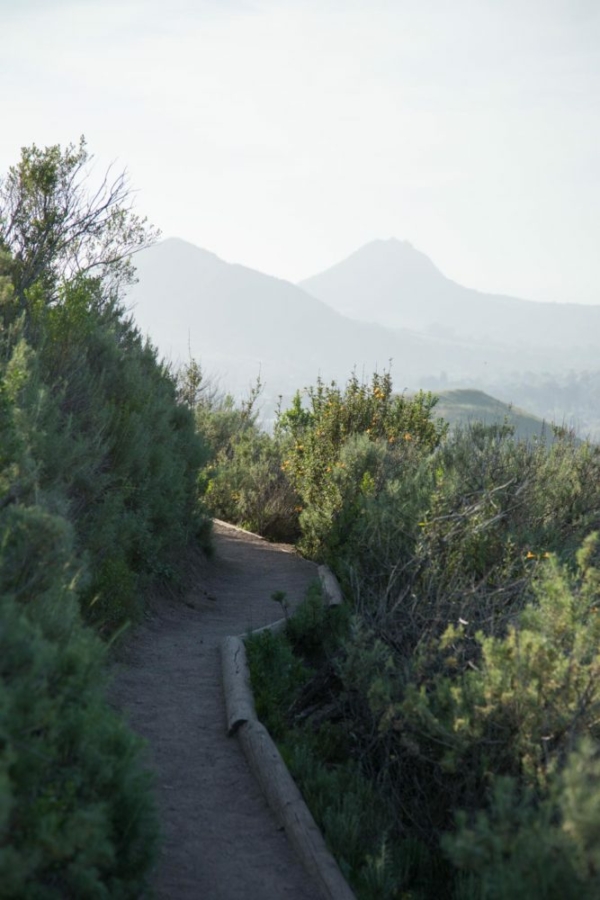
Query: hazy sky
{"points": [[284, 135]]}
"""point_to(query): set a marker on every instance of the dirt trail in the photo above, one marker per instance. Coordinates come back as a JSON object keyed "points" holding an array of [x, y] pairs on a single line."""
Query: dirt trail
{"points": [[220, 839]]}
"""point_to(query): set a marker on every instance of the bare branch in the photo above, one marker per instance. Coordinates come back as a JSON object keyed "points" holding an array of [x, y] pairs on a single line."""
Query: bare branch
{"points": [[55, 230]]}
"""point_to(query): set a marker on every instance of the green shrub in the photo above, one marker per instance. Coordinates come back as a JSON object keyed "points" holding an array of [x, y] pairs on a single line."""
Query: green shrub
{"points": [[437, 729], [247, 487], [76, 818], [355, 820], [333, 489], [472, 655], [269, 654], [109, 446], [522, 846], [354, 815], [315, 629], [244, 480]]}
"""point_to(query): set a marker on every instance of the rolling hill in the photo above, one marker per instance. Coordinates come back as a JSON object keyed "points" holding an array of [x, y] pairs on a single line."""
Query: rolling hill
{"points": [[460, 407]]}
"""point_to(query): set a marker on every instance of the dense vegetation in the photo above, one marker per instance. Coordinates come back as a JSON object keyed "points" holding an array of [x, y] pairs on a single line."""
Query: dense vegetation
{"points": [[98, 497], [244, 480], [446, 729]]}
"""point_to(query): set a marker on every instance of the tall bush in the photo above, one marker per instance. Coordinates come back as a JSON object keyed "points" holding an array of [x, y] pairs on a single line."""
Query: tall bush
{"points": [[330, 486], [113, 448], [76, 818]]}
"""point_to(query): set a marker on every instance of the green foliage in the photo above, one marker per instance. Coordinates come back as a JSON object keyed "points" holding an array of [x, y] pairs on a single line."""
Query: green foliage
{"points": [[472, 655], [109, 446], [311, 477], [55, 229], [356, 822], [244, 480], [219, 418], [98, 496], [360, 408], [269, 654], [247, 487], [75, 814], [354, 815], [76, 818], [523, 846], [332, 484], [471, 705], [315, 629], [498, 508], [387, 757]]}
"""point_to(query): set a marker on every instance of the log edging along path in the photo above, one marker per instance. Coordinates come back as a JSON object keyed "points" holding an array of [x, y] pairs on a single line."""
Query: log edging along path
{"points": [[265, 761], [220, 840]]}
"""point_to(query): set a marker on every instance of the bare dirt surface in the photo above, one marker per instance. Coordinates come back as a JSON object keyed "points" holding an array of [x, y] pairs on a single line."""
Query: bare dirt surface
{"points": [[220, 840]]}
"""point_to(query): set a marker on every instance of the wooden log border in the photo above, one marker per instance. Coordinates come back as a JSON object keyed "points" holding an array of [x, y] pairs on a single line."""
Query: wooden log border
{"points": [[331, 586], [264, 759]]}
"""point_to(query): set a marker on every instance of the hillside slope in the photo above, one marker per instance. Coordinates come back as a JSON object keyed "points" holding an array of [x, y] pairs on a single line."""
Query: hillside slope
{"points": [[461, 407]]}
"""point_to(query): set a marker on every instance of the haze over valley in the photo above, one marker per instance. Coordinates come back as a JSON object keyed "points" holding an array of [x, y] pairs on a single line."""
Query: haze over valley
{"points": [[293, 139], [385, 304]]}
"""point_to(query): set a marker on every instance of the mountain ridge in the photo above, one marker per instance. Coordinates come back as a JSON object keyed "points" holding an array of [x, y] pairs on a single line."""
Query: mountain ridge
{"points": [[238, 321], [396, 285]]}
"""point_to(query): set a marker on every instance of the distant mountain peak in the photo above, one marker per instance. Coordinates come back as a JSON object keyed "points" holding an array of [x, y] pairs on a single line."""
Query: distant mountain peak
{"points": [[392, 283], [391, 241], [392, 249], [177, 245], [385, 261]]}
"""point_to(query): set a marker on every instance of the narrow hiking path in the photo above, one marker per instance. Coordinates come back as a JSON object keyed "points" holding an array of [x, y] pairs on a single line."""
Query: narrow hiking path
{"points": [[220, 840]]}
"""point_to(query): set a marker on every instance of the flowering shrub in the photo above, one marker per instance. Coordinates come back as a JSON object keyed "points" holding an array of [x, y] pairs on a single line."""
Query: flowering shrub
{"points": [[329, 483]]}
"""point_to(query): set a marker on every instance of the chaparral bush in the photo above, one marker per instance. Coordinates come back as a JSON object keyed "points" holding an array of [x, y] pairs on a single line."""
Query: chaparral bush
{"points": [[466, 689], [76, 818], [75, 815], [111, 445], [244, 481], [334, 472]]}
